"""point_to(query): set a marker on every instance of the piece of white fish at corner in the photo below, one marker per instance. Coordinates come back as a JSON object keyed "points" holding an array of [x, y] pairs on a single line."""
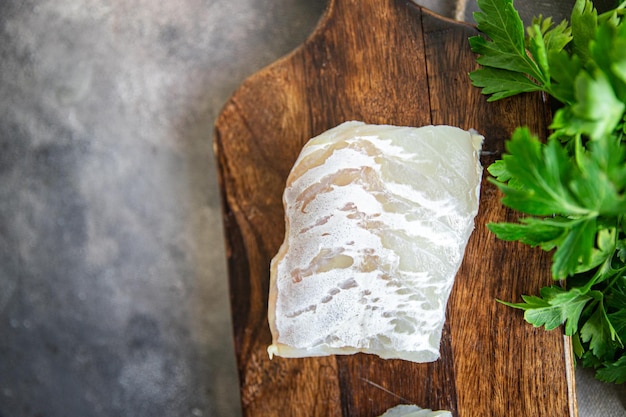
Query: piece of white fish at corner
{"points": [[414, 411], [377, 221]]}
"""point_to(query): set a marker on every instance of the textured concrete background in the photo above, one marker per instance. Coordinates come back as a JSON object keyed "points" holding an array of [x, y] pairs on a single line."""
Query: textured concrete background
{"points": [[113, 291]]}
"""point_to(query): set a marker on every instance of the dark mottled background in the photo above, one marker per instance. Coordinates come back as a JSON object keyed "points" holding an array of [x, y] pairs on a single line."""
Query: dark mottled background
{"points": [[113, 291]]}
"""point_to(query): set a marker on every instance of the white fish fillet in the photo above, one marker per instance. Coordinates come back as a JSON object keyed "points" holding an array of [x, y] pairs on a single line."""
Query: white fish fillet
{"points": [[377, 221], [414, 411]]}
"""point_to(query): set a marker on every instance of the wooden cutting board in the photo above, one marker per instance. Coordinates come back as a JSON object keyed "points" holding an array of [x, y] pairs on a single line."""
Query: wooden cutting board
{"points": [[392, 62]]}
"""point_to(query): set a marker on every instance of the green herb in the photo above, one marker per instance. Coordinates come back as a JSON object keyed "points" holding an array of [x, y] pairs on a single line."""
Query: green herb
{"points": [[571, 189]]}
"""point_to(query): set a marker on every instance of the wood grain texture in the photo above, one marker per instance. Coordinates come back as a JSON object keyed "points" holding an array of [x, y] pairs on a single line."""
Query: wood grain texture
{"points": [[383, 61]]}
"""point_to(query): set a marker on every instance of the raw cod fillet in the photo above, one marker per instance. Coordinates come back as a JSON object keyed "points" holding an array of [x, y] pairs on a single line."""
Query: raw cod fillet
{"points": [[414, 411], [377, 221]]}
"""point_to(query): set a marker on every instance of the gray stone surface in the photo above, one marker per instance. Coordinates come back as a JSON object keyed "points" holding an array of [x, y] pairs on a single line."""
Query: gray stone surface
{"points": [[113, 291]]}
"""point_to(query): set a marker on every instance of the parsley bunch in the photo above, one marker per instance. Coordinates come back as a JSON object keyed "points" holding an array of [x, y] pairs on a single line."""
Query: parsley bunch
{"points": [[572, 187]]}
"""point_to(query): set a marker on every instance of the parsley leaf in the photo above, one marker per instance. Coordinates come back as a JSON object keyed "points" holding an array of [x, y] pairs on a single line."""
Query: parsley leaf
{"points": [[501, 83], [555, 307], [599, 332], [596, 110], [613, 371], [584, 21], [505, 51], [571, 189]]}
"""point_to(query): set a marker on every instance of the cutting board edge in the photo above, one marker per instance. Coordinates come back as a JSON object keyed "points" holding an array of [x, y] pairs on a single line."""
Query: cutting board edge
{"points": [[570, 374]]}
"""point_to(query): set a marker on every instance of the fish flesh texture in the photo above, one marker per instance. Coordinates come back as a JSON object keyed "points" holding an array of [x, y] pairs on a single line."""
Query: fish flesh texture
{"points": [[377, 218]]}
